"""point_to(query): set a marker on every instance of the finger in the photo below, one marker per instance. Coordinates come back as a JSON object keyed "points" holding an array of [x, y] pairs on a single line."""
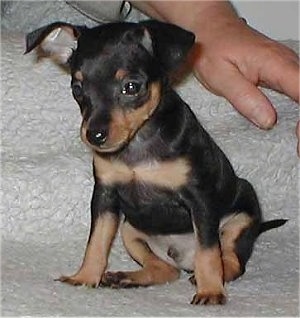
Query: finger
{"points": [[247, 98], [284, 79]]}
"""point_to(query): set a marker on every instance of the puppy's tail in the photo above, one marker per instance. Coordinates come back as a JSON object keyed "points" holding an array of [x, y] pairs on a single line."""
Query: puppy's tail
{"points": [[268, 225]]}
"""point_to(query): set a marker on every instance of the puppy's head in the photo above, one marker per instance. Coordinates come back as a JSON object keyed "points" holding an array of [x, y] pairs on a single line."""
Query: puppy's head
{"points": [[117, 72]]}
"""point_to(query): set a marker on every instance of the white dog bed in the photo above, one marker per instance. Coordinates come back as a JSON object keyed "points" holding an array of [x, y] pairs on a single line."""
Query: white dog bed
{"points": [[47, 185]]}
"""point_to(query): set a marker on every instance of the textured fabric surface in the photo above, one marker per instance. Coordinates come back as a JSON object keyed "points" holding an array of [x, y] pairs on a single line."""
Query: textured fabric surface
{"points": [[102, 11], [47, 186], [26, 15]]}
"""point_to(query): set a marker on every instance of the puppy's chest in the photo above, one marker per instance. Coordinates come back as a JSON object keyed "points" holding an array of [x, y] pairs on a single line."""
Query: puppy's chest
{"points": [[167, 174]]}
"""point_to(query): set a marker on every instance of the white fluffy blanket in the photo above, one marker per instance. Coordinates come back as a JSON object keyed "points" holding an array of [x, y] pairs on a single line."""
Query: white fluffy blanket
{"points": [[46, 191]]}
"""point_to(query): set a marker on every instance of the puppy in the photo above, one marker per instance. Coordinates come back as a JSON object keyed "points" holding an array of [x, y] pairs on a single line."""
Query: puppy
{"points": [[184, 207]]}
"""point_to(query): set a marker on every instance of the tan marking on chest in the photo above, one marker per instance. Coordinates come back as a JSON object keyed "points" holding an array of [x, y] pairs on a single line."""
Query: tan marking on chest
{"points": [[168, 174], [112, 171]]}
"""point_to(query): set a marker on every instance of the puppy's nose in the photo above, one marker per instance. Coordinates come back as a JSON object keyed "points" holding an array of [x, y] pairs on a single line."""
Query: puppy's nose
{"points": [[96, 137]]}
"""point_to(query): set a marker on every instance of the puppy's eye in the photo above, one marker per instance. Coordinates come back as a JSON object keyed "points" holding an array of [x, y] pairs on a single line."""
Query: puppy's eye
{"points": [[77, 90], [131, 88]]}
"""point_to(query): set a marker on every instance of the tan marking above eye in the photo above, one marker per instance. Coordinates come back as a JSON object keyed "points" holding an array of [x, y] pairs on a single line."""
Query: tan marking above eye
{"points": [[168, 174], [120, 74], [78, 76]]}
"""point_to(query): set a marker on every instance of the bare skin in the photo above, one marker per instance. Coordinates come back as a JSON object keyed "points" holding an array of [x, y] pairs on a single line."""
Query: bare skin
{"points": [[235, 58]]}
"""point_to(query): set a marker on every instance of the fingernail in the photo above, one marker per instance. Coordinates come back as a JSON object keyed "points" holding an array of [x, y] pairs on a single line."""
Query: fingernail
{"points": [[262, 119]]}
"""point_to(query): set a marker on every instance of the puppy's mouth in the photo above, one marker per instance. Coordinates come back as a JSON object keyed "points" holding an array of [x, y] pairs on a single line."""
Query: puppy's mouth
{"points": [[110, 149], [124, 124]]}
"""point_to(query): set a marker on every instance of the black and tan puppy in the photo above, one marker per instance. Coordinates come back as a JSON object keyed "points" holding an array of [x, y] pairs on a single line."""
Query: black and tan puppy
{"points": [[153, 162]]}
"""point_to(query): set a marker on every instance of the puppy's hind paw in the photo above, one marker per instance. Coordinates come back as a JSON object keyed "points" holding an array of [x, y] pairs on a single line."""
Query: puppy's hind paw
{"points": [[117, 280]]}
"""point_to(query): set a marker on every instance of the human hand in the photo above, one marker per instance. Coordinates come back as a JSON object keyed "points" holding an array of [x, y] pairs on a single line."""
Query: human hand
{"points": [[234, 59]]}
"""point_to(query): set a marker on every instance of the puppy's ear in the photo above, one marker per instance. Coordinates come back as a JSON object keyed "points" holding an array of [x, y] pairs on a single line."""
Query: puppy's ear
{"points": [[169, 43], [57, 40]]}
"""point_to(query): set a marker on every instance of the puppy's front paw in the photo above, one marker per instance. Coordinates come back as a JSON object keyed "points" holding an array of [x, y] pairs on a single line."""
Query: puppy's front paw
{"points": [[80, 279], [209, 299]]}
